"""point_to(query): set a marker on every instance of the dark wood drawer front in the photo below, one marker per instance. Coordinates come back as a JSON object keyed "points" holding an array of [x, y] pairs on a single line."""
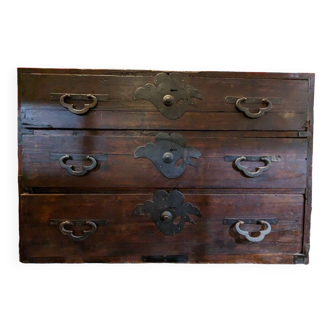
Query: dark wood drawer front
{"points": [[127, 237], [117, 108], [117, 167]]}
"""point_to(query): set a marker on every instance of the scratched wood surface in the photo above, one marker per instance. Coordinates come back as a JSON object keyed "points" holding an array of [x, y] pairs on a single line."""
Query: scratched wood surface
{"points": [[130, 237], [116, 127], [122, 170], [121, 111]]}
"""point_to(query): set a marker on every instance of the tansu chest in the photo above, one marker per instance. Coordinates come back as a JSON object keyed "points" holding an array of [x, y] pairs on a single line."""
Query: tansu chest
{"points": [[143, 166]]}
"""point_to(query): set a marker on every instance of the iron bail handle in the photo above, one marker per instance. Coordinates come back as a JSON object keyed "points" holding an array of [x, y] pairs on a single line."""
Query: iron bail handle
{"points": [[262, 233], [259, 171], [71, 108], [246, 110], [70, 169], [70, 233]]}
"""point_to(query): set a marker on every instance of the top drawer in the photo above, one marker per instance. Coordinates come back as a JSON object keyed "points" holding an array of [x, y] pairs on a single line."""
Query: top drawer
{"points": [[165, 103]]}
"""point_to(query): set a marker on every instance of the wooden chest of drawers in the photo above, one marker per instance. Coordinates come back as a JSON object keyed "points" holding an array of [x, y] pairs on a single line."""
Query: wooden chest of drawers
{"points": [[142, 166]]}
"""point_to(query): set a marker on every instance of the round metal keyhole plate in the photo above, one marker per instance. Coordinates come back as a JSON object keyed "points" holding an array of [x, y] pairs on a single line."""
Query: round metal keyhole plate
{"points": [[168, 100], [168, 157], [166, 216]]}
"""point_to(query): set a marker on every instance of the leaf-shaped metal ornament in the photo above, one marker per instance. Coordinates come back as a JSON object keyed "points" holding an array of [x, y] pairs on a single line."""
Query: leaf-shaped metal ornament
{"points": [[166, 152], [168, 211], [169, 94]]}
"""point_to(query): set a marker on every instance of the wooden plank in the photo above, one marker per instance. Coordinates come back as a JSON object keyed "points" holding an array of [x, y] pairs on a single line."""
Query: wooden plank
{"points": [[204, 74], [36, 91], [246, 258], [156, 121], [122, 112], [146, 232], [82, 190], [153, 133], [129, 236], [308, 202], [214, 145], [39, 170]]}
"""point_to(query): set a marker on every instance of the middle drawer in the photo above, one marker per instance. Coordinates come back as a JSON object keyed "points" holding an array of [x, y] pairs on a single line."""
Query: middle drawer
{"points": [[133, 159]]}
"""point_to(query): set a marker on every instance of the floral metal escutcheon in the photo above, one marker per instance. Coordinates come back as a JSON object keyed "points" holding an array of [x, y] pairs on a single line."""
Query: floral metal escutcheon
{"points": [[169, 94], [165, 210]]}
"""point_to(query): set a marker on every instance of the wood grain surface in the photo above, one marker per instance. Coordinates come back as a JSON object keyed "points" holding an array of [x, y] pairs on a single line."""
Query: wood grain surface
{"points": [[128, 237], [122, 170], [116, 127], [121, 111]]}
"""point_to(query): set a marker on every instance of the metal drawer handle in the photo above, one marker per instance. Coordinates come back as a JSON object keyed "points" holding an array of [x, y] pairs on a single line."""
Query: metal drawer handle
{"points": [[257, 238], [259, 171], [246, 110], [70, 233], [71, 108], [70, 169]]}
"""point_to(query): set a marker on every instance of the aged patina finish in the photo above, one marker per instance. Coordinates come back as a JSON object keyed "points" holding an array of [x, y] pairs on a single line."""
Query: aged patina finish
{"points": [[169, 94], [166, 152], [165, 209]]}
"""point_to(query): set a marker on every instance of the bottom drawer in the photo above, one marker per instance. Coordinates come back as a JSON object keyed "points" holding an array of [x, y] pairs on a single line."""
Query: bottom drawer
{"points": [[118, 228]]}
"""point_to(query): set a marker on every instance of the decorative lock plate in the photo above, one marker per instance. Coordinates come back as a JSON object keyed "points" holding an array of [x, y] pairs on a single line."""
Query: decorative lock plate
{"points": [[169, 94], [168, 211], [166, 152]]}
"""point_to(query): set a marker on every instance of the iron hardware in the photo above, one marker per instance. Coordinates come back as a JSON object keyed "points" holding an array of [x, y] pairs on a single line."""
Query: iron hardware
{"points": [[63, 226], [308, 196], [302, 258], [79, 156], [169, 94], [257, 238], [259, 171], [166, 152], [165, 259], [253, 100], [78, 96], [71, 108], [274, 158], [71, 171], [246, 110], [264, 222], [165, 209], [305, 134], [252, 221], [266, 159], [168, 100]]}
